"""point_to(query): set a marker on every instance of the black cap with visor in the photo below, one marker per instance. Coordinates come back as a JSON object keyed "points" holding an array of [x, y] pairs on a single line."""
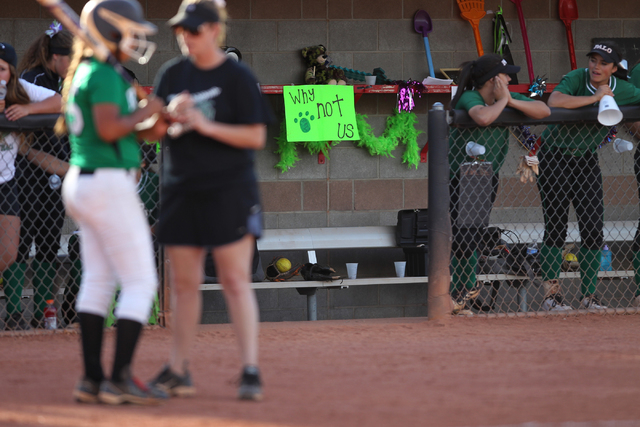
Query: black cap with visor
{"points": [[490, 66], [8, 54], [191, 16], [607, 52]]}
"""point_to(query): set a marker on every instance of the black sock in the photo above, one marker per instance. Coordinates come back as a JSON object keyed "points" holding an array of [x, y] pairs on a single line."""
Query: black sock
{"points": [[128, 333], [91, 327]]}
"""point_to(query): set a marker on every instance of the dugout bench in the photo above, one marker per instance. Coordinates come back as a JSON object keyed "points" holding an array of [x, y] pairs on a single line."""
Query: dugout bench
{"points": [[312, 239]]}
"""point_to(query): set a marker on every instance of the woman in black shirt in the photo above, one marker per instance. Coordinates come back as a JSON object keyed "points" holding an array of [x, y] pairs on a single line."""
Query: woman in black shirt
{"points": [[209, 190]]}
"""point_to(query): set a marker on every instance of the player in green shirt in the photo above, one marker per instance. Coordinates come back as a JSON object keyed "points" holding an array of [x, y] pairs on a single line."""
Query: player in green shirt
{"points": [[484, 93], [99, 192], [570, 173], [634, 78]]}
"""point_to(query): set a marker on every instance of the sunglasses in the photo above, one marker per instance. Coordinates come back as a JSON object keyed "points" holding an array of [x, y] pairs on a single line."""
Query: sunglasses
{"points": [[191, 31]]}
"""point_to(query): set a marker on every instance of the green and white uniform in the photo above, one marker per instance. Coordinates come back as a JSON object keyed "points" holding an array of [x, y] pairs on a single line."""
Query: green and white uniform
{"points": [[634, 79], [570, 174], [97, 83], [100, 194], [496, 142]]}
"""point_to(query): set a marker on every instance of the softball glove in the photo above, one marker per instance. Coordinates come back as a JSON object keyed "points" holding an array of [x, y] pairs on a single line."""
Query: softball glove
{"points": [[318, 273], [274, 275]]}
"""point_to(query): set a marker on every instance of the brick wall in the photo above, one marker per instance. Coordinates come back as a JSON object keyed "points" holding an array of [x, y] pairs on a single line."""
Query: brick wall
{"points": [[352, 187]]}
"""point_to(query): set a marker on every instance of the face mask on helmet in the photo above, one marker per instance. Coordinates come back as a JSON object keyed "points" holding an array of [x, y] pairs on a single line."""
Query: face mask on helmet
{"points": [[120, 26]]}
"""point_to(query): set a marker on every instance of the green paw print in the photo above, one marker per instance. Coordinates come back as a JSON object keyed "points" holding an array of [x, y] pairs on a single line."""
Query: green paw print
{"points": [[305, 122]]}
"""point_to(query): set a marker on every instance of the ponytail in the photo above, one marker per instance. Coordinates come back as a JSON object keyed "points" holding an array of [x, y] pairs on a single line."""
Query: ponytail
{"points": [[476, 73], [77, 55], [43, 48], [464, 83]]}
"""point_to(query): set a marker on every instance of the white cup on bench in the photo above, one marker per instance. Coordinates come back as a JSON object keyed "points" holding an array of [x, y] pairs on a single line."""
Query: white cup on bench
{"points": [[352, 270], [400, 268]]}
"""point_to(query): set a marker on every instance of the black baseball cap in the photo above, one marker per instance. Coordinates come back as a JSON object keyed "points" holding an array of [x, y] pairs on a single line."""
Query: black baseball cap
{"points": [[8, 54], [192, 15], [608, 52], [489, 66]]}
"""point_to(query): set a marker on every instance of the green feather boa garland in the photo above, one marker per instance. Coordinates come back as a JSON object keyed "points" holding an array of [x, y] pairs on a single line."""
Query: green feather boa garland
{"points": [[400, 128]]}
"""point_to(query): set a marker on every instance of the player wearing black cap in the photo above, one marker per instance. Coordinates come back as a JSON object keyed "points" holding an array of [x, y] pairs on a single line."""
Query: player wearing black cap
{"points": [[570, 173], [209, 188], [483, 92]]}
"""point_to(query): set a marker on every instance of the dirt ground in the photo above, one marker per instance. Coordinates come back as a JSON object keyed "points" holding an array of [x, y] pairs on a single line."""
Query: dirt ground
{"points": [[574, 371]]}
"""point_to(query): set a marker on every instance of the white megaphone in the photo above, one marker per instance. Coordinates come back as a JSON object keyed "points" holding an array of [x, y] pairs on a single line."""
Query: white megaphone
{"points": [[474, 150], [608, 112], [622, 146]]}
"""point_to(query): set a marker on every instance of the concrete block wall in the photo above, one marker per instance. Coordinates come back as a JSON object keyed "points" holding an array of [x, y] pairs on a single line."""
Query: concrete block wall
{"points": [[352, 188], [362, 302]]}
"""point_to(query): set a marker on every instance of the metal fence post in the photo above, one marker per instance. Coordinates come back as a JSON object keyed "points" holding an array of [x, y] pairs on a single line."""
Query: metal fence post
{"points": [[439, 221]]}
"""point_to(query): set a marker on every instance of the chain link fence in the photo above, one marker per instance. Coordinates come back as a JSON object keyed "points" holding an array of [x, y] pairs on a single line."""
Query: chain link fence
{"points": [[39, 244], [561, 241], [564, 240]]}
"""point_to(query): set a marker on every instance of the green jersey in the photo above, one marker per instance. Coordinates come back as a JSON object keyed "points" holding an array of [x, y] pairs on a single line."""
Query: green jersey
{"points": [[579, 140], [634, 76], [98, 83], [495, 139]]}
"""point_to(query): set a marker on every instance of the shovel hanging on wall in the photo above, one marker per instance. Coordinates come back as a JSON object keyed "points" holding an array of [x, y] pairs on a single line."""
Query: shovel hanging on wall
{"points": [[568, 11], [422, 24]]}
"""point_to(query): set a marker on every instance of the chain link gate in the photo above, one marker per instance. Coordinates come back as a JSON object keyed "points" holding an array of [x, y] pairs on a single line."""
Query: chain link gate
{"points": [[36, 233], [586, 198]]}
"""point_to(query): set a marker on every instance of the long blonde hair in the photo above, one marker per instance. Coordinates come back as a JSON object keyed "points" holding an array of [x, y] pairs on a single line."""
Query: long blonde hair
{"points": [[79, 52]]}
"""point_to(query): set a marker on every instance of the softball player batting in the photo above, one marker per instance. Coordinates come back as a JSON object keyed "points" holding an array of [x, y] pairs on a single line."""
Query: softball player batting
{"points": [[99, 192], [570, 173]]}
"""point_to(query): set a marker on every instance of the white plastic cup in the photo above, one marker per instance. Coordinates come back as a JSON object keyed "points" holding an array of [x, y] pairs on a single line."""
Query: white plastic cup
{"points": [[624, 64], [400, 268], [608, 112], [622, 146], [352, 270], [370, 80], [474, 149]]}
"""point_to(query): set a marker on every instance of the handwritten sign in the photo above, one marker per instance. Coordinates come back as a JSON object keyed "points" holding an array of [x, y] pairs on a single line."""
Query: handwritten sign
{"points": [[320, 113]]}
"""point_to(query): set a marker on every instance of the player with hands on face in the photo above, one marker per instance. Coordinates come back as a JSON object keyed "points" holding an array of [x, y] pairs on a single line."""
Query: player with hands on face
{"points": [[483, 92]]}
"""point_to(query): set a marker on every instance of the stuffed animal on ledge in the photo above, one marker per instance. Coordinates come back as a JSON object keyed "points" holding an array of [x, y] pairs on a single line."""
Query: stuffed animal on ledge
{"points": [[318, 71]]}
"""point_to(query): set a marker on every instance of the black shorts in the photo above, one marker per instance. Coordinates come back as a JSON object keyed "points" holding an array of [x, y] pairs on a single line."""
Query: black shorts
{"points": [[9, 203], [209, 217]]}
